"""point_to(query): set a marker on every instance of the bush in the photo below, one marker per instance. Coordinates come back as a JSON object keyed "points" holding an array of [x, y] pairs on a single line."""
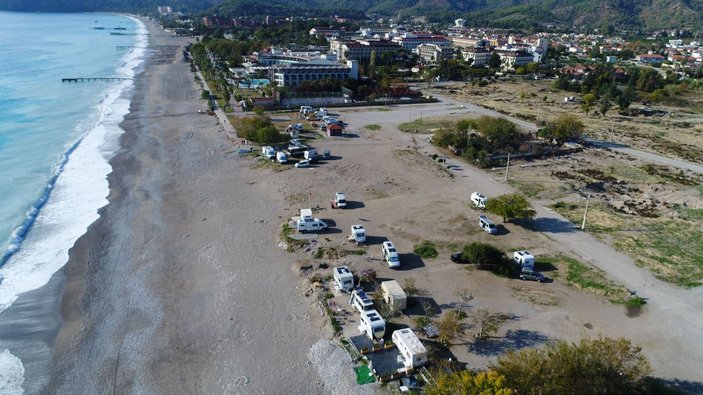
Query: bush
{"points": [[258, 129], [481, 253], [426, 250]]}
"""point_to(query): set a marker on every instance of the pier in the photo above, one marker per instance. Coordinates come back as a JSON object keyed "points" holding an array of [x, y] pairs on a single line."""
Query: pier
{"points": [[91, 79]]}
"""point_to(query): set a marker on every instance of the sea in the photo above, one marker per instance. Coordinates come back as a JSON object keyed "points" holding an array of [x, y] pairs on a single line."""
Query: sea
{"points": [[56, 140]]}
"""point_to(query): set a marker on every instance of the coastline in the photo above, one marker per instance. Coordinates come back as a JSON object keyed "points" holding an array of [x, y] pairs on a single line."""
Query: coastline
{"points": [[178, 286]]}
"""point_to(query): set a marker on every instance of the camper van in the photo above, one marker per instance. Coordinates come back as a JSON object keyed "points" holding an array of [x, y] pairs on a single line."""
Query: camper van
{"points": [[478, 200], [390, 254], [307, 223], [486, 224], [525, 260], [372, 324], [268, 152], [411, 349], [281, 157], [360, 300], [343, 278], [358, 233], [393, 295]]}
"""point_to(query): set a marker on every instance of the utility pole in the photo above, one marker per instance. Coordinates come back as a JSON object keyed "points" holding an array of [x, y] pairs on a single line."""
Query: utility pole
{"points": [[507, 168], [585, 213]]}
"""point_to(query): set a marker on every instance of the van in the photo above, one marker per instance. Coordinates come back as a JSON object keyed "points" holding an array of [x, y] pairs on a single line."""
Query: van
{"points": [[268, 152], [390, 254], [314, 225], [281, 157], [343, 278], [360, 300], [372, 324], [486, 224], [478, 200], [305, 110]]}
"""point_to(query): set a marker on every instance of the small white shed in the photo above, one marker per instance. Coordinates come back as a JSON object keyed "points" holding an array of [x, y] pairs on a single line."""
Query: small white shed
{"points": [[394, 295]]}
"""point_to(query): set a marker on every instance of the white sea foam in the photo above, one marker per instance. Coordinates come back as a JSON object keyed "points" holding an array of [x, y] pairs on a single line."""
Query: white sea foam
{"points": [[80, 190], [11, 374]]}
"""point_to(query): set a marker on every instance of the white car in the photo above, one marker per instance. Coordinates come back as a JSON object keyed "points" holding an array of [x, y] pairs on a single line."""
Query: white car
{"points": [[303, 163], [296, 143]]}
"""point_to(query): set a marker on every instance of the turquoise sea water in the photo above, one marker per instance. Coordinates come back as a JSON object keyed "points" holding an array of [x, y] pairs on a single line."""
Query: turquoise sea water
{"points": [[56, 138]]}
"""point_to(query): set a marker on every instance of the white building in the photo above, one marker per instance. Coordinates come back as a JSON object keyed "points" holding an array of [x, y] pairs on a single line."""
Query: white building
{"points": [[296, 74], [434, 52], [410, 41], [459, 22], [479, 56]]}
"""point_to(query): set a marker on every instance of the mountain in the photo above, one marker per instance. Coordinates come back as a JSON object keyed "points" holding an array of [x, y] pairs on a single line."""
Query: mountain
{"points": [[645, 15]]}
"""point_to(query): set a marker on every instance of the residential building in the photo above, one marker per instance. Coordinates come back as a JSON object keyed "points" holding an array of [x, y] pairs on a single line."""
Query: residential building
{"points": [[294, 74], [650, 59], [361, 50], [434, 52], [478, 56], [509, 60], [410, 41]]}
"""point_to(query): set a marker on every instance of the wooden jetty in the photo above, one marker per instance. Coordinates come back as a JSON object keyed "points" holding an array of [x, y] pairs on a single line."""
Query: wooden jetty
{"points": [[91, 79]]}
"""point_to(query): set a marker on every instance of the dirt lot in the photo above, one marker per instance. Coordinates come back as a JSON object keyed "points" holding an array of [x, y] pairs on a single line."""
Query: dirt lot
{"points": [[397, 192]]}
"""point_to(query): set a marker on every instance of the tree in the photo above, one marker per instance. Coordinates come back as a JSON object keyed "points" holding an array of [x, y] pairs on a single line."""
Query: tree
{"points": [[494, 61], [466, 382], [410, 287], [604, 105], [449, 328], [481, 253], [465, 297], [565, 127], [509, 206], [487, 322], [602, 365]]}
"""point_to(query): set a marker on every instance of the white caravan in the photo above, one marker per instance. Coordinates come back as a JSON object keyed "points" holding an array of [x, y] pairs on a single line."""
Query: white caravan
{"points": [[268, 152], [281, 157], [525, 260], [360, 300], [358, 233], [343, 278], [486, 224], [411, 349], [372, 324], [393, 295]]}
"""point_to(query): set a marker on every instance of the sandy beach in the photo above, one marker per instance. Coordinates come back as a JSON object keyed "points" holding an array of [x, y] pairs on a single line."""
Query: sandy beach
{"points": [[176, 288]]}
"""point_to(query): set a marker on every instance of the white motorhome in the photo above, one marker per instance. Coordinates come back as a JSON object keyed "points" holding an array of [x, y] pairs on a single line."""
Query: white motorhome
{"points": [[486, 224], [268, 152], [358, 233], [525, 260], [343, 278], [340, 201], [411, 349], [390, 254], [393, 295], [307, 223], [281, 157], [372, 324], [479, 200], [360, 300]]}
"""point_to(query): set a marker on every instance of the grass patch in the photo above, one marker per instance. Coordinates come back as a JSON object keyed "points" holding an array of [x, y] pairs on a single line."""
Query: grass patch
{"points": [[336, 253], [422, 126], [373, 126], [600, 218], [293, 244], [671, 248], [588, 278], [529, 189], [426, 250]]}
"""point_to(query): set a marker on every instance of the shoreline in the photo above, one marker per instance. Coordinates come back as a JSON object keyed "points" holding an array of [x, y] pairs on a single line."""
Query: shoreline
{"points": [[178, 286]]}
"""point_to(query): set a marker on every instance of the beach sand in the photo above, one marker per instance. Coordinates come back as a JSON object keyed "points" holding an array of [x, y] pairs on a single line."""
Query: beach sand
{"points": [[178, 287]]}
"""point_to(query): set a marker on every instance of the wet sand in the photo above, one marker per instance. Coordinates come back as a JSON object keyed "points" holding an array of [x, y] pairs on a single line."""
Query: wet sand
{"points": [[179, 286]]}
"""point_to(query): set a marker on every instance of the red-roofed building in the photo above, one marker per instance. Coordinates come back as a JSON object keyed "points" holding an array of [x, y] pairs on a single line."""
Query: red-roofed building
{"points": [[650, 59]]}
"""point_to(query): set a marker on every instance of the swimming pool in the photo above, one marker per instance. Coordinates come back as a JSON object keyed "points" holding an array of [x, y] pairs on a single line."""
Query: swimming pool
{"points": [[254, 83]]}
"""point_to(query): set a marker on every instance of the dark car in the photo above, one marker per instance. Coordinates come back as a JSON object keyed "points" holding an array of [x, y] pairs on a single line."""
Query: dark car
{"points": [[533, 276], [458, 258]]}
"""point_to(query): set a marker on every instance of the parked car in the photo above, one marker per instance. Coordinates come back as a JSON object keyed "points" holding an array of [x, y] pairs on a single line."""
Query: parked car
{"points": [[458, 258], [532, 276], [303, 163], [296, 143]]}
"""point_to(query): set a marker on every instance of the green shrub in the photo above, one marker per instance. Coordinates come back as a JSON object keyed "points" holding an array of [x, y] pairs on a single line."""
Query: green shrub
{"points": [[426, 250]]}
